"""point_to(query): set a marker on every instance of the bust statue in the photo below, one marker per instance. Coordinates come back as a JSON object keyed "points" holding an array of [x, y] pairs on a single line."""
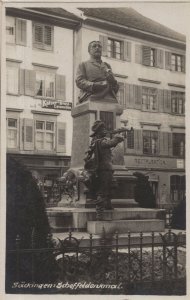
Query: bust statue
{"points": [[94, 77]]}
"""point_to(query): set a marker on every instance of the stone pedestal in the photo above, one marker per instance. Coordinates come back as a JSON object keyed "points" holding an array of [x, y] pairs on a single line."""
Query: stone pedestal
{"points": [[84, 116]]}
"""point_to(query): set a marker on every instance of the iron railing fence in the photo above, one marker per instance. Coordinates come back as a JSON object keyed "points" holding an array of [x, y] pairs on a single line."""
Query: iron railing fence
{"points": [[152, 268]]}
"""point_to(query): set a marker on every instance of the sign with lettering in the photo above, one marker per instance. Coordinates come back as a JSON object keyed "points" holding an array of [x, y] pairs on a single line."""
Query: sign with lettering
{"points": [[180, 163], [153, 162], [56, 104]]}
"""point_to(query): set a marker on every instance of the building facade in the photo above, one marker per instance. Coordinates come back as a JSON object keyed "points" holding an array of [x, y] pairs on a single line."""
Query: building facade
{"points": [[39, 63], [149, 63], [44, 48]]}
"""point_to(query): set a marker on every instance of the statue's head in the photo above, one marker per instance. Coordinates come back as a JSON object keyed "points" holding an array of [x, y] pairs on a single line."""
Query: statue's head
{"points": [[95, 49], [98, 129]]}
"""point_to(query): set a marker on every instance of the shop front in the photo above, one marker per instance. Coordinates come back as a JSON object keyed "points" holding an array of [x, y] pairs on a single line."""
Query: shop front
{"points": [[166, 176], [46, 170]]}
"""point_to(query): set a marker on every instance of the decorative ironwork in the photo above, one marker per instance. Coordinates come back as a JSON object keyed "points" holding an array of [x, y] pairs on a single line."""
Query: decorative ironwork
{"points": [[133, 266]]}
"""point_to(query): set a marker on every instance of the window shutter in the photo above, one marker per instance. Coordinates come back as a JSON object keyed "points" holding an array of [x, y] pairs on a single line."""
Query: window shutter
{"points": [[48, 34], [129, 101], [183, 63], [104, 41], [30, 78], [21, 32], [164, 143], [121, 94], [160, 100], [159, 58], [60, 87], [168, 60], [28, 134], [127, 51], [38, 33], [61, 137], [138, 54], [21, 81], [137, 95], [138, 141], [167, 101], [170, 147], [146, 55]]}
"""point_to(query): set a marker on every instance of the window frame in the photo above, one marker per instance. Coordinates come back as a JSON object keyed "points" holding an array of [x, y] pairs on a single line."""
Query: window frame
{"points": [[20, 36], [175, 66], [44, 131], [42, 45], [44, 88], [177, 188], [176, 148], [147, 94], [176, 98], [149, 134], [113, 49], [14, 130]]}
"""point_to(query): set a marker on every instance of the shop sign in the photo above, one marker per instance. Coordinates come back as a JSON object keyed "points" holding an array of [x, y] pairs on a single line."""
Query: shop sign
{"points": [[153, 177], [56, 104], [153, 162], [180, 163]]}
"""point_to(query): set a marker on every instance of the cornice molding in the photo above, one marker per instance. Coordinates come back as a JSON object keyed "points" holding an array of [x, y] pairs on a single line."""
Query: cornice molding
{"points": [[177, 85], [41, 17], [45, 66], [40, 112], [149, 80]]}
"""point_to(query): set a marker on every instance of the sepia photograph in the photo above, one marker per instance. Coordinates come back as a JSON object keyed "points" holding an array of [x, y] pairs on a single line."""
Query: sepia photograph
{"points": [[93, 144]]}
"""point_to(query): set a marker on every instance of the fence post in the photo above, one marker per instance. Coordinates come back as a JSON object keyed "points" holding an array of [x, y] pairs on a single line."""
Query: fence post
{"points": [[141, 239], [32, 246], [116, 261], [90, 248], [129, 256], [48, 246], [17, 257], [152, 257]]}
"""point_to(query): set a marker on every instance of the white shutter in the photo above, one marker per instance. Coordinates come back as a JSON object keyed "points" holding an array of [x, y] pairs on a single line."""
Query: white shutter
{"points": [[21, 32]]}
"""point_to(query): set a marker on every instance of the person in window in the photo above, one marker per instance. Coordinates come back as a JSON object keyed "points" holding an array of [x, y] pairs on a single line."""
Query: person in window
{"points": [[102, 173], [95, 78]]}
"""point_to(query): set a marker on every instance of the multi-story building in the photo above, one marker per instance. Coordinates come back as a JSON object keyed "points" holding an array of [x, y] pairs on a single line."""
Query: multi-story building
{"points": [[44, 48], [39, 63], [148, 60]]}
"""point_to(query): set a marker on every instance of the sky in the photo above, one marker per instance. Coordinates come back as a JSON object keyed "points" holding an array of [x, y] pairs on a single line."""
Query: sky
{"points": [[173, 15]]}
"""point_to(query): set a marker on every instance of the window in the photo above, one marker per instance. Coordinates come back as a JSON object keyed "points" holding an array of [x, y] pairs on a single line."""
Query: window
{"points": [[114, 48], [12, 80], [178, 102], [45, 135], [152, 57], [107, 118], [176, 62], [130, 139], [150, 142], [149, 99], [177, 188], [45, 85], [12, 133], [15, 31], [179, 144], [148, 56], [42, 36]]}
